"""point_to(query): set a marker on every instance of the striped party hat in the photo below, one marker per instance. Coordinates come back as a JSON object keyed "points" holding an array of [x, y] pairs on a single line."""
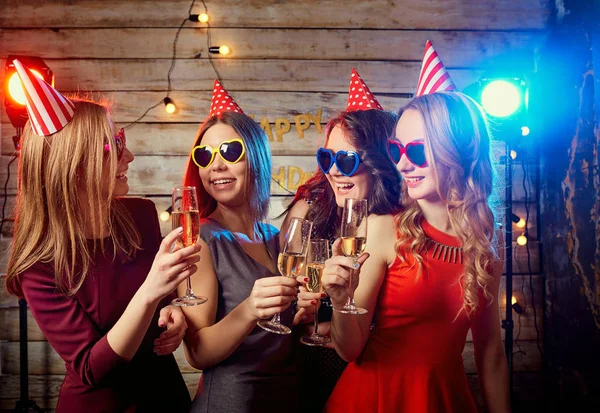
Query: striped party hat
{"points": [[359, 95], [49, 111], [433, 77], [222, 102]]}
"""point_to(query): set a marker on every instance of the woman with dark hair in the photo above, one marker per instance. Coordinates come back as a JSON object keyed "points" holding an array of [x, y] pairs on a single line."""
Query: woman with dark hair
{"points": [[352, 164], [245, 368]]}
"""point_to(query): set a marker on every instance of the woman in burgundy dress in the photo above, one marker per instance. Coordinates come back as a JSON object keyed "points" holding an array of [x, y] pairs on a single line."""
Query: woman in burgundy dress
{"points": [[91, 265]]}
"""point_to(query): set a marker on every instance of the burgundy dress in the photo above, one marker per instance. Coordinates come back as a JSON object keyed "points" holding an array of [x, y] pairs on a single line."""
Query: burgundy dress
{"points": [[97, 379]]}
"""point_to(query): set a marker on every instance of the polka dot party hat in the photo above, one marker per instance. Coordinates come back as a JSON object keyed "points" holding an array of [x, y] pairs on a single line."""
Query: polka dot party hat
{"points": [[221, 101], [359, 95]]}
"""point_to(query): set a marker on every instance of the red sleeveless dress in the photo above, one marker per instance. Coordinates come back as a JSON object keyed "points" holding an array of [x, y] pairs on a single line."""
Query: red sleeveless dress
{"points": [[412, 361]]}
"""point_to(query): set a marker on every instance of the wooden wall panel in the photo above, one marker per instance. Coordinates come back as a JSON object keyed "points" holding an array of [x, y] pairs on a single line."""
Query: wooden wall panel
{"points": [[469, 48], [242, 74], [46, 388], [380, 14], [193, 106]]}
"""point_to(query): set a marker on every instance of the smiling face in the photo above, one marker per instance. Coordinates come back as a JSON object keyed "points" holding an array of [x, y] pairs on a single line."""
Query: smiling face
{"points": [[121, 187], [355, 186], [421, 182], [223, 181]]}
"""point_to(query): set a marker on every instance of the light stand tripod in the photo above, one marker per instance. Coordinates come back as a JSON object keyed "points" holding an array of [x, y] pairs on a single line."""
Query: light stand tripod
{"points": [[507, 323], [24, 404]]}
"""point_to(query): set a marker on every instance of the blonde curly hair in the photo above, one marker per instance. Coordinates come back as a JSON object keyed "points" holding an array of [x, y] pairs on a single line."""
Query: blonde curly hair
{"points": [[457, 142]]}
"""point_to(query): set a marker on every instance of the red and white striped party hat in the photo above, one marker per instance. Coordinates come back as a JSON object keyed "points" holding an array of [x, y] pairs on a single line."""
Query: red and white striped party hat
{"points": [[221, 101], [359, 95], [49, 111], [433, 77]]}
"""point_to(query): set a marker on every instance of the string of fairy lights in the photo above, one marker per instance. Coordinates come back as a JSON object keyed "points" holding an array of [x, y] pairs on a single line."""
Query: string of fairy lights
{"points": [[222, 50]]}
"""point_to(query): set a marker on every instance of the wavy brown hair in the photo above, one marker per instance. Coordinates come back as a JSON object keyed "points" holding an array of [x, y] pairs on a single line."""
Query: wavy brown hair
{"points": [[368, 131], [457, 140], [52, 215]]}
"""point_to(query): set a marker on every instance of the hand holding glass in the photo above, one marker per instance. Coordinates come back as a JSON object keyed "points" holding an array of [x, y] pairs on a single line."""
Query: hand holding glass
{"points": [[290, 263], [354, 241], [185, 214]]}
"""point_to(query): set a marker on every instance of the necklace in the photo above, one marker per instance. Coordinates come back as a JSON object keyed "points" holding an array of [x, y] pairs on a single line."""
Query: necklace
{"points": [[443, 252]]}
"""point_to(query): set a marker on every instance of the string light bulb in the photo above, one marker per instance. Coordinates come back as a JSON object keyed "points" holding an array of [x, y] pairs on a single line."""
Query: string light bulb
{"points": [[223, 50], [164, 216], [525, 130], [169, 105], [513, 154], [521, 223], [522, 240], [516, 306], [202, 17]]}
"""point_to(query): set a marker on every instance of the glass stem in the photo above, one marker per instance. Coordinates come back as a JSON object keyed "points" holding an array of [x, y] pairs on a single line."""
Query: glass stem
{"points": [[188, 289], [316, 320], [350, 302], [276, 319]]}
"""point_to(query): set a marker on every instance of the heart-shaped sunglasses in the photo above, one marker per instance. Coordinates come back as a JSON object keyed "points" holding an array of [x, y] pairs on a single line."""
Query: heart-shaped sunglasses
{"points": [[120, 143], [347, 162], [414, 151], [231, 151]]}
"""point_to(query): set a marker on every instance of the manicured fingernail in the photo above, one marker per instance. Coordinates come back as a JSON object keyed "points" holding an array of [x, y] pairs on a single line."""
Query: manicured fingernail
{"points": [[306, 279], [313, 302], [323, 295], [180, 230]]}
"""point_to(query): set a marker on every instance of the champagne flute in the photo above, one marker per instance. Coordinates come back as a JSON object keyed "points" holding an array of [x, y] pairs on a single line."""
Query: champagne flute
{"points": [[290, 263], [354, 241], [186, 215], [318, 253]]}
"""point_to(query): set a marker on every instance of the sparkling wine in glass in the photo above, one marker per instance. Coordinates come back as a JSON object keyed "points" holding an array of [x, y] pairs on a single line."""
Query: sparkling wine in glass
{"points": [[290, 263], [186, 215], [354, 241], [318, 253]]}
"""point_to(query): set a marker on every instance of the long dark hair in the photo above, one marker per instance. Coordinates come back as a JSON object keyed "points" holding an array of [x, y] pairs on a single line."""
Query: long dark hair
{"points": [[368, 132], [258, 172]]}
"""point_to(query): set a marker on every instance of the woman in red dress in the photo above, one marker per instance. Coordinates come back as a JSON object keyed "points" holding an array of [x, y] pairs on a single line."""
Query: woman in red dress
{"points": [[432, 273], [91, 265]]}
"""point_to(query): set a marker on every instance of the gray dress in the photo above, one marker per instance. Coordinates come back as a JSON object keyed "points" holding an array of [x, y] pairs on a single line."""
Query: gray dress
{"points": [[260, 375]]}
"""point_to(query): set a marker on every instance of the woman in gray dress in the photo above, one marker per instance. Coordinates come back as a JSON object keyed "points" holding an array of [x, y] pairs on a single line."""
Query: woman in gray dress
{"points": [[245, 368]]}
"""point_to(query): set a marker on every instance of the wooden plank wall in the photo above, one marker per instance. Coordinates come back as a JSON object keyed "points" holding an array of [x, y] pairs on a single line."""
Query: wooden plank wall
{"points": [[289, 68]]}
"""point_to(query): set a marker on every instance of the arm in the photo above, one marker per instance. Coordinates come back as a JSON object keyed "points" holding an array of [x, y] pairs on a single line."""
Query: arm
{"points": [[208, 343], [167, 272], [89, 352], [489, 354], [299, 210], [349, 333]]}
